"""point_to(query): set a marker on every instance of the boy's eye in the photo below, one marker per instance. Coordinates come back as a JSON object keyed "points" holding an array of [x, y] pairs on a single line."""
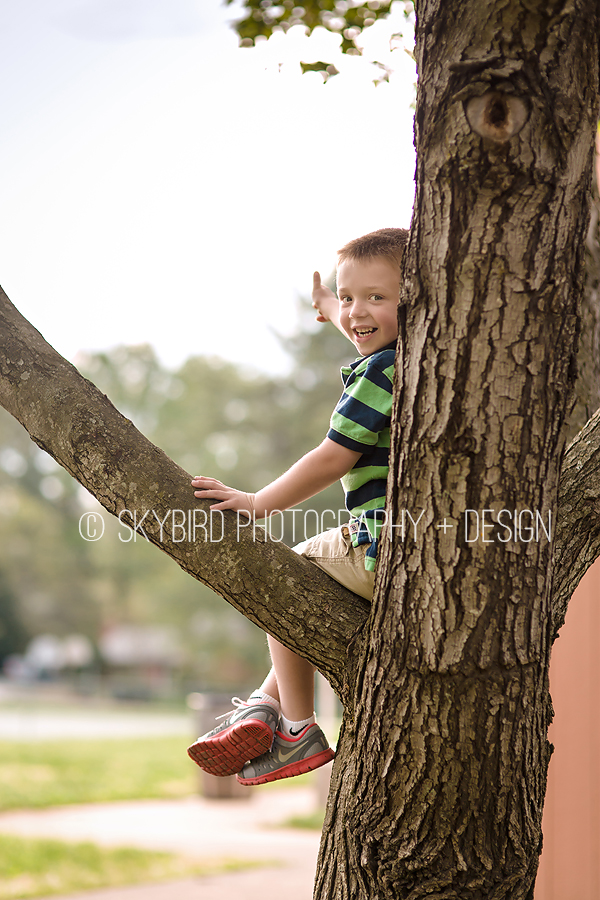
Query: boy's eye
{"points": [[376, 297], [346, 299]]}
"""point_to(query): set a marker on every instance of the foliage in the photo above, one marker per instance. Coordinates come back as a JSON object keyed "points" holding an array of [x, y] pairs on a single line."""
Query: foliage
{"points": [[340, 16], [40, 867], [348, 18]]}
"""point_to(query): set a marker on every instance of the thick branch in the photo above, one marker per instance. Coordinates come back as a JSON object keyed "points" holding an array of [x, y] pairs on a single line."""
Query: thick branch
{"points": [[67, 416], [577, 542], [587, 387]]}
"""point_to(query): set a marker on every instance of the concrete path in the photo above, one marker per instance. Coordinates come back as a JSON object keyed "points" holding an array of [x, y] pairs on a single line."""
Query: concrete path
{"points": [[207, 829]]}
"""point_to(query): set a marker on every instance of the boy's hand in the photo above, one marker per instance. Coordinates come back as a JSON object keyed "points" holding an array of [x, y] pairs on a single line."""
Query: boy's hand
{"points": [[229, 497], [324, 301], [311, 474]]}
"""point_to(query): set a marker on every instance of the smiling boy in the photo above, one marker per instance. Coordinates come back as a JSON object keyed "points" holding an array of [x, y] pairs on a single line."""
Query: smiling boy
{"points": [[274, 734]]}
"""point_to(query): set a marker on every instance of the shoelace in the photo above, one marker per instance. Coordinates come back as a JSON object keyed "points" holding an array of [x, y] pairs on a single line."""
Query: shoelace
{"points": [[237, 703]]}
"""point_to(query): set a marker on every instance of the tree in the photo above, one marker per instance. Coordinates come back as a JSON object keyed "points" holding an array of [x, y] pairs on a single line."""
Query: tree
{"points": [[439, 780], [264, 17]]}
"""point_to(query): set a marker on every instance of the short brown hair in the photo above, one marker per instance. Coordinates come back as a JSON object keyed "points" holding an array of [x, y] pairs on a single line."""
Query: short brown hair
{"points": [[387, 242]]}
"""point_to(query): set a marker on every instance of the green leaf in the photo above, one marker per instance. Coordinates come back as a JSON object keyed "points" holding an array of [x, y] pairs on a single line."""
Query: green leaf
{"points": [[326, 69]]}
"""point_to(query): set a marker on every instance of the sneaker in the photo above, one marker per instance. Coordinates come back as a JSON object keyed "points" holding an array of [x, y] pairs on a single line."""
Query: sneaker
{"points": [[247, 732], [289, 756]]}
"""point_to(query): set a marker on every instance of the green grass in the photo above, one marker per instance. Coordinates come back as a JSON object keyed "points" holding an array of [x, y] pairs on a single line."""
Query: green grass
{"points": [[298, 781], [36, 867], [311, 821], [51, 773]]}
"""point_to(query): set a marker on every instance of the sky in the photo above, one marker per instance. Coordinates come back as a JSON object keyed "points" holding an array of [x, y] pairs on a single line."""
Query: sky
{"points": [[159, 184]]}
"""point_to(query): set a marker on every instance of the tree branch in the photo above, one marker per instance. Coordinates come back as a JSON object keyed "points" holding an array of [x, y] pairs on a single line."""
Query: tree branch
{"points": [[69, 418], [577, 539]]}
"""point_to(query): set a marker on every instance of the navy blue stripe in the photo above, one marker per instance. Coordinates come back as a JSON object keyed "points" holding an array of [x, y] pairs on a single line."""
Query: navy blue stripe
{"points": [[346, 441], [376, 376], [375, 456], [387, 357], [372, 490], [366, 416]]}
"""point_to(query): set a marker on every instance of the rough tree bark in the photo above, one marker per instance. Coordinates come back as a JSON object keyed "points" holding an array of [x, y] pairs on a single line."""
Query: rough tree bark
{"points": [[440, 774], [587, 388]]}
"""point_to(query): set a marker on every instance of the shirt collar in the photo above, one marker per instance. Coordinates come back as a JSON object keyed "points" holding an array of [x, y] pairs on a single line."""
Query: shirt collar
{"points": [[391, 346]]}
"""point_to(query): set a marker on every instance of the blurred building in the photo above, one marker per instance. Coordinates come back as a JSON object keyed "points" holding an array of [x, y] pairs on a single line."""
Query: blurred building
{"points": [[48, 656], [141, 661]]}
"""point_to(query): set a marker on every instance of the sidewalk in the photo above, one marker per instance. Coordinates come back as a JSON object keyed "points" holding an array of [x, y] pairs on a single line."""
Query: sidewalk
{"points": [[207, 829]]}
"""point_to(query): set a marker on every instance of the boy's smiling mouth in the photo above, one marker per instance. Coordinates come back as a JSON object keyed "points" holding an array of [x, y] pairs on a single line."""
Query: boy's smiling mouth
{"points": [[362, 332]]}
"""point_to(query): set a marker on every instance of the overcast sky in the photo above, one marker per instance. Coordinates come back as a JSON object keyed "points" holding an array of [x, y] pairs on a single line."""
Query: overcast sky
{"points": [[158, 184]]}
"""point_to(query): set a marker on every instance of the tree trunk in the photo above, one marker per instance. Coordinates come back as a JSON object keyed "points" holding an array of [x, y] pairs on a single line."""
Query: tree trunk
{"points": [[441, 770]]}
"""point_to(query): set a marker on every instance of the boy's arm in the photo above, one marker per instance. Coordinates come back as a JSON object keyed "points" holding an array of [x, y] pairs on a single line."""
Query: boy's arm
{"points": [[326, 303], [311, 474]]}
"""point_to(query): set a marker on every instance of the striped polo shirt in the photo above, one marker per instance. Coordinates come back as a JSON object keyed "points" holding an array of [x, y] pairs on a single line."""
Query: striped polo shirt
{"points": [[361, 421]]}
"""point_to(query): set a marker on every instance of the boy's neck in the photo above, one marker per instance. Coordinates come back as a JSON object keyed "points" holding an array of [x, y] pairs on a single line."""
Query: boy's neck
{"points": [[390, 346]]}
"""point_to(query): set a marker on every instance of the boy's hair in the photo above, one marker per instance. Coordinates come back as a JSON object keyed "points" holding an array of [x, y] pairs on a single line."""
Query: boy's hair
{"points": [[387, 242]]}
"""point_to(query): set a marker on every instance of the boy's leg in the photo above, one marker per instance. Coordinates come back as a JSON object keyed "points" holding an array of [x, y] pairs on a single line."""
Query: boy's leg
{"points": [[299, 744], [248, 731], [291, 681]]}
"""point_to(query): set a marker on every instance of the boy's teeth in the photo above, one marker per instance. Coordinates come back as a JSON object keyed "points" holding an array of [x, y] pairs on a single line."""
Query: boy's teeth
{"points": [[364, 330]]}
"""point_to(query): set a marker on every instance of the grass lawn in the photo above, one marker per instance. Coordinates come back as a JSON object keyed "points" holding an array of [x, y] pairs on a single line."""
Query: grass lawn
{"points": [[36, 867], [50, 773], [312, 821]]}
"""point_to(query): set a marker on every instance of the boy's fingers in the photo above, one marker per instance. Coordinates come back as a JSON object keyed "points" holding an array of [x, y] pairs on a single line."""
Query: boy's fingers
{"points": [[207, 494], [316, 281], [230, 504]]}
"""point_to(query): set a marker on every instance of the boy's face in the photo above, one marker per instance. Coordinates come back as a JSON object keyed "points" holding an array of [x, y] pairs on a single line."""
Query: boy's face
{"points": [[368, 292]]}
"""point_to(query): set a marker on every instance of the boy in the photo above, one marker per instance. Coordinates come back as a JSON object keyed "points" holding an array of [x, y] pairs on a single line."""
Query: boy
{"points": [[274, 734]]}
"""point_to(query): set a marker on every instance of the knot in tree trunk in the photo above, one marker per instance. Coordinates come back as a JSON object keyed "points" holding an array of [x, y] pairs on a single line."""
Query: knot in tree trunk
{"points": [[496, 115]]}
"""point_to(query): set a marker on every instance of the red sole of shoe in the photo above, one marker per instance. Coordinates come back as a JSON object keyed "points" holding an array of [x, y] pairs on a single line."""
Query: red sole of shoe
{"points": [[296, 768], [227, 753]]}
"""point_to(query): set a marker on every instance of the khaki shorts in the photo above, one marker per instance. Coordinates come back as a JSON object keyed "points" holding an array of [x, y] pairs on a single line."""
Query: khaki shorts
{"points": [[333, 552]]}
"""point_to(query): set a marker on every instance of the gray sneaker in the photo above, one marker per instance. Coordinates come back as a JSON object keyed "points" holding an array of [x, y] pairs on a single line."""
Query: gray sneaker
{"points": [[247, 732], [289, 756]]}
